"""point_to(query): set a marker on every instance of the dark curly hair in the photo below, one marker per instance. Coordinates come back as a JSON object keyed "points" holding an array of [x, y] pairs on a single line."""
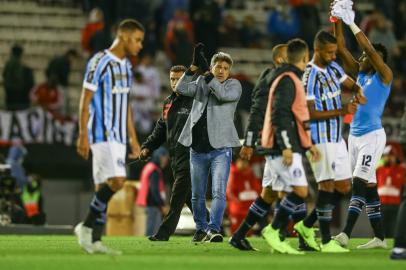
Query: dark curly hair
{"points": [[382, 49]]}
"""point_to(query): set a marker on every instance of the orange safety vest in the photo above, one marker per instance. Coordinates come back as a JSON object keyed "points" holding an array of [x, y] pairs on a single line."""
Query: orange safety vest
{"points": [[299, 109]]}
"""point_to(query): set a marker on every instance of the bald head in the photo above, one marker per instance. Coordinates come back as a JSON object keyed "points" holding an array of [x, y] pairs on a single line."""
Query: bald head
{"points": [[279, 54]]}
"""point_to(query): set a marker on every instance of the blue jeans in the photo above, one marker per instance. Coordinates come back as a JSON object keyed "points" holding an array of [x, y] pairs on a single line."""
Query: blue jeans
{"points": [[218, 163], [153, 218]]}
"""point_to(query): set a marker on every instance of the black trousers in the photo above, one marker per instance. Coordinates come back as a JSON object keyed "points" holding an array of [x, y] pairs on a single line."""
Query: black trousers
{"points": [[400, 231], [389, 214], [181, 191]]}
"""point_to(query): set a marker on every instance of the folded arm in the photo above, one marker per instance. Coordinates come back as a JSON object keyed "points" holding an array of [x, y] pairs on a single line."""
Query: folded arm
{"points": [[187, 85], [228, 91]]}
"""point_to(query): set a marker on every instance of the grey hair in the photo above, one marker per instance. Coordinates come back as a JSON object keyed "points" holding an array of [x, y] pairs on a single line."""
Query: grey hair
{"points": [[221, 56]]}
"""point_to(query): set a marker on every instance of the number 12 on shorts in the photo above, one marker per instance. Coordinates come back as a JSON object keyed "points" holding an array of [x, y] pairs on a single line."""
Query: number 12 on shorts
{"points": [[366, 160]]}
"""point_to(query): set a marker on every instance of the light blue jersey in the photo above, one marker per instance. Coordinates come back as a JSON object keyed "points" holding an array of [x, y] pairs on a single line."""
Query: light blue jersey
{"points": [[110, 78], [324, 87], [368, 116]]}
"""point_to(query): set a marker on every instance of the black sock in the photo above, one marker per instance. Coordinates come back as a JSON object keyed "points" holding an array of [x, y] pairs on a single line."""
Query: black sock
{"points": [[373, 209], [400, 231], [97, 232], [324, 208], [277, 206], [98, 226], [282, 233], [287, 207], [310, 219], [299, 214], [258, 210], [98, 205], [337, 196], [356, 204]]}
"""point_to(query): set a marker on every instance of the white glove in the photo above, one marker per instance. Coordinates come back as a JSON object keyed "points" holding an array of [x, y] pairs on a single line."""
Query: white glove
{"points": [[345, 4], [346, 14]]}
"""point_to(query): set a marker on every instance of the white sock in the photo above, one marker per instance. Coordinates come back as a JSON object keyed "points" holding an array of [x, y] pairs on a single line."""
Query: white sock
{"points": [[398, 250]]}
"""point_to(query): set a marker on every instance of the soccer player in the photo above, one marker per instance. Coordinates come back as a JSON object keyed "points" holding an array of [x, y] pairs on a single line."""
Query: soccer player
{"points": [[259, 100], [367, 137], [175, 112], [286, 133], [259, 209], [270, 191], [323, 79], [106, 125]]}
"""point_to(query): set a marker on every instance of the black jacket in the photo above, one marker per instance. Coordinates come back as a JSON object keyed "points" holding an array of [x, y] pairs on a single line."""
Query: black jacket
{"points": [[283, 119], [175, 112], [282, 115], [259, 100]]}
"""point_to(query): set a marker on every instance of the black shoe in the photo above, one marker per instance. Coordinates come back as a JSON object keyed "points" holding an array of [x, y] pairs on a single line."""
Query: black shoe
{"points": [[199, 236], [241, 244], [157, 238], [214, 237], [305, 247], [398, 256]]}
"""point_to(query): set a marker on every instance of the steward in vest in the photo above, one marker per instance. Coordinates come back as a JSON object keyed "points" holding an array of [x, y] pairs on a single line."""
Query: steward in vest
{"points": [[152, 190], [286, 124], [31, 198]]}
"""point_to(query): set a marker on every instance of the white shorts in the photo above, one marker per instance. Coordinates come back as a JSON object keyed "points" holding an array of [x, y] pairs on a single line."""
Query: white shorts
{"points": [[365, 152], [281, 177], [108, 161], [334, 162]]}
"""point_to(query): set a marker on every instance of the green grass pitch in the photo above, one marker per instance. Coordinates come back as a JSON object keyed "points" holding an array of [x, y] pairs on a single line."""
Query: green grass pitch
{"points": [[62, 252]]}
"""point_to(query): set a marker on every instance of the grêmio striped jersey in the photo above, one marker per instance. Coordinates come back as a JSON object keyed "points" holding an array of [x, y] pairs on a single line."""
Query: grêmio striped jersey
{"points": [[323, 86], [110, 78]]}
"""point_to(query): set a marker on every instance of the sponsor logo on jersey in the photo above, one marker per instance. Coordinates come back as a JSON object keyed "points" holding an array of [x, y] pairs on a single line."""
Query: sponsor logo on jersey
{"points": [[297, 173], [120, 90]]}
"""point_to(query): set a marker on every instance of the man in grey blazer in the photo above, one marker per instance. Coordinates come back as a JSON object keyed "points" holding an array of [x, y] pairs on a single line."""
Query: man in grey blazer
{"points": [[210, 133]]}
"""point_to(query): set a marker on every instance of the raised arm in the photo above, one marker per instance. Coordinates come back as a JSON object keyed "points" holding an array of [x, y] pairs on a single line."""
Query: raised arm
{"points": [[348, 15], [384, 72], [351, 66], [186, 86]]}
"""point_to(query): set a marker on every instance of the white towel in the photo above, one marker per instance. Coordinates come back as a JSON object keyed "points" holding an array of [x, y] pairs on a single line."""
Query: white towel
{"points": [[345, 4], [342, 9]]}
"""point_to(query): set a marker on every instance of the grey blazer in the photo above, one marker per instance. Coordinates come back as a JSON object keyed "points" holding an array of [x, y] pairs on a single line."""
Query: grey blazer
{"points": [[222, 99]]}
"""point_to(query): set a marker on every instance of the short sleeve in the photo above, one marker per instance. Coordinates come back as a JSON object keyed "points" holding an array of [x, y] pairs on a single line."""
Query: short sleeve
{"points": [[339, 72], [94, 72], [309, 82]]}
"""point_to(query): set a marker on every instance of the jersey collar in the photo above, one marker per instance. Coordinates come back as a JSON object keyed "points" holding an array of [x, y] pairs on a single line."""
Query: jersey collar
{"points": [[121, 61], [317, 67]]}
